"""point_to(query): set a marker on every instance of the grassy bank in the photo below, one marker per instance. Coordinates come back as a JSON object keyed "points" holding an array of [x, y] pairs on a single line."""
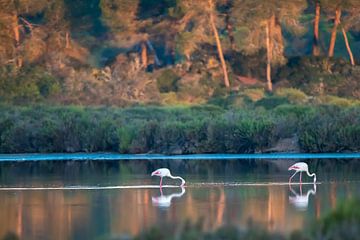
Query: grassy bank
{"points": [[175, 130]]}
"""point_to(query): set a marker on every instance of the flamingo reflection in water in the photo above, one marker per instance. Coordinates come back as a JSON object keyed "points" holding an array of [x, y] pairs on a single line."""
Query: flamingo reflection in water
{"points": [[301, 201], [164, 201]]}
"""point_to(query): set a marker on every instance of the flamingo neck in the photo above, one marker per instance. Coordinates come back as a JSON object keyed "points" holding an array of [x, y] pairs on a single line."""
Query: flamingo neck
{"points": [[311, 175], [177, 177]]}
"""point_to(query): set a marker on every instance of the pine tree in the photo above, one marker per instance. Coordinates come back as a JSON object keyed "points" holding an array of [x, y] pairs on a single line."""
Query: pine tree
{"points": [[16, 29], [345, 14], [316, 47], [263, 21], [197, 25]]}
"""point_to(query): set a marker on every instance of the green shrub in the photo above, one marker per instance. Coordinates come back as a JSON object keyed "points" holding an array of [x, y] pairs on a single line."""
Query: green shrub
{"points": [[330, 129], [298, 111], [271, 102], [294, 96], [167, 81], [126, 136], [254, 94], [197, 129], [338, 101], [30, 84]]}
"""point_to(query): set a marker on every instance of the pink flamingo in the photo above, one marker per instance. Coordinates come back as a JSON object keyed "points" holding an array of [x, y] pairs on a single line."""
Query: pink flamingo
{"points": [[164, 172], [301, 167]]}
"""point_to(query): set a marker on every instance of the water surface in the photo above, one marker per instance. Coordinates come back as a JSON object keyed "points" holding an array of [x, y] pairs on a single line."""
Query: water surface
{"points": [[118, 199]]}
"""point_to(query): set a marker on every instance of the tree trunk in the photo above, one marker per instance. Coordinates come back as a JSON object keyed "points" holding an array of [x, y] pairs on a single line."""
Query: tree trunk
{"points": [[348, 47], [269, 50], [144, 54], [218, 44], [334, 32], [316, 47], [16, 31], [67, 40]]}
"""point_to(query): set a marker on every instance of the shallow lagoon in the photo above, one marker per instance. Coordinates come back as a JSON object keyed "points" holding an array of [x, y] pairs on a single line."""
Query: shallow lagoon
{"points": [[117, 199]]}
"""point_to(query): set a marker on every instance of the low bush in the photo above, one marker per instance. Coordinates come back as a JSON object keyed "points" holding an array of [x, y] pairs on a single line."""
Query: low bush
{"points": [[167, 81], [271, 102], [338, 101], [177, 130], [294, 96], [330, 129], [28, 85]]}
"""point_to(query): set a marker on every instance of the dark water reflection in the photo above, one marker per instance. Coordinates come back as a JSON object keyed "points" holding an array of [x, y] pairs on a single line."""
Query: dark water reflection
{"points": [[115, 213]]}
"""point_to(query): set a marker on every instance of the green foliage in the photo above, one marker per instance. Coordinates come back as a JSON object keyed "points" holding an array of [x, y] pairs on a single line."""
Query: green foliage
{"points": [[342, 223], [294, 96], [176, 130], [254, 94], [167, 81], [330, 129], [126, 136], [337, 101], [241, 136], [318, 75], [271, 102], [31, 84]]}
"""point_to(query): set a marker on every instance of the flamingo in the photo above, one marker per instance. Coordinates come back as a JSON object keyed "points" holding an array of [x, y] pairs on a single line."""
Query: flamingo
{"points": [[164, 172], [301, 167]]}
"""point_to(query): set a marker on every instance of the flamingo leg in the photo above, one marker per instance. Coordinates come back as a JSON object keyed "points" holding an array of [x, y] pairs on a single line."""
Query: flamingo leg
{"points": [[292, 177], [300, 177], [161, 182]]}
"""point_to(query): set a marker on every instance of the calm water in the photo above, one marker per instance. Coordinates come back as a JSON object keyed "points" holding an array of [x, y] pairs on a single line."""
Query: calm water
{"points": [[115, 199]]}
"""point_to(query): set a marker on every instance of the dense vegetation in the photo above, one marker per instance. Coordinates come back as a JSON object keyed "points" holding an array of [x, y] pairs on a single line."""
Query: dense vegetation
{"points": [[342, 223], [120, 52], [262, 70], [181, 130]]}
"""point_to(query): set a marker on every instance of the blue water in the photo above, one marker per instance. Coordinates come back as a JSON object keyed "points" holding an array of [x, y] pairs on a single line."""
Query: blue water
{"points": [[54, 199], [117, 156]]}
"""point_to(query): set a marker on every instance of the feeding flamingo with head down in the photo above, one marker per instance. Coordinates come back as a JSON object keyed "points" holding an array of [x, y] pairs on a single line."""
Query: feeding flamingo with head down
{"points": [[299, 168], [164, 172]]}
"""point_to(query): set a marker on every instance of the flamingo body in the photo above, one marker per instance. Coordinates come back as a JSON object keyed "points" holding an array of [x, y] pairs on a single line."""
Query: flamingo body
{"points": [[299, 168], [165, 172]]}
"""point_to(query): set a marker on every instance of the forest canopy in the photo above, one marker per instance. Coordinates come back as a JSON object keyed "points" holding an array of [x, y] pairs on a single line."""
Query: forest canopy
{"points": [[120, 52]]}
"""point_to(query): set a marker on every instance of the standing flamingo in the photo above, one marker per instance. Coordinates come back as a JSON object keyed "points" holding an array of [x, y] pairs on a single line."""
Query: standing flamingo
{"points": [[164, 172], [301, 167]]}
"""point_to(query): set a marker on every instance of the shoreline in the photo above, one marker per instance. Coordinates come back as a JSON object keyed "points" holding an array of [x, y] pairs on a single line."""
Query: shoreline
{"points": [[118, 156]]}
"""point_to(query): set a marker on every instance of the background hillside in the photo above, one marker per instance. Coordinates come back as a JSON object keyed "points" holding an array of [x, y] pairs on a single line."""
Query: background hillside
{"points": [[124, 52]]}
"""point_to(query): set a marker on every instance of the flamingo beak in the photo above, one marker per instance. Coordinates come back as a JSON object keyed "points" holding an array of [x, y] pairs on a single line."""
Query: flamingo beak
{"points": [[154, 173]]}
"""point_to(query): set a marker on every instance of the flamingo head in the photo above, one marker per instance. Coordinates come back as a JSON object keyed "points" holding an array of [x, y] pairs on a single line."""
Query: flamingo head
{"points": [[296, 168], [156, 173]]}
